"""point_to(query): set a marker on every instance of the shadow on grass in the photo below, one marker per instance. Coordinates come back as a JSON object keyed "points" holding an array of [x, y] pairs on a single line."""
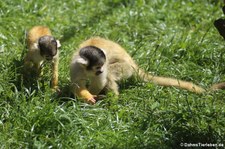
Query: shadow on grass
{"points": [[20, 80], [64, 94], [192, 135], [33, 85]]}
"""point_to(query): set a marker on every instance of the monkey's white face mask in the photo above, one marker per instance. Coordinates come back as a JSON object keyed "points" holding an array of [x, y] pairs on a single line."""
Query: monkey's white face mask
{"points": [[92, 69]]}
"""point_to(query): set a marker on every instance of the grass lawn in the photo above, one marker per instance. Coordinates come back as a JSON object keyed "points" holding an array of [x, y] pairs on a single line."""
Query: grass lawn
{"points": [[166, 37]]}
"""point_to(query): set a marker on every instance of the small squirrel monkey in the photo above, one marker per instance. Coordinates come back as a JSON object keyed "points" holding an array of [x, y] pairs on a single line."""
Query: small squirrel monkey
{"points": [[104, 63], [42, 46]]}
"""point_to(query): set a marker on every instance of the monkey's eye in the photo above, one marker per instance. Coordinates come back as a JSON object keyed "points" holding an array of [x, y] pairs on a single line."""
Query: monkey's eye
{"points": [[54, 42], [99, 67]]}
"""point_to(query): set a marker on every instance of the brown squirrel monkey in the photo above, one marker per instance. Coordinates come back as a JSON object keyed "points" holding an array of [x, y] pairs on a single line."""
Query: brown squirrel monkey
{"points": [[104, 63], [42, 46]]}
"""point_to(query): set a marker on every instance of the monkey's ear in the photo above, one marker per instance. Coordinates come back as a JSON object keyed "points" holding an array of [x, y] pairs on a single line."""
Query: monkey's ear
{"points": [[58, 43], [35, 46], [82, 61], [220, 26]]}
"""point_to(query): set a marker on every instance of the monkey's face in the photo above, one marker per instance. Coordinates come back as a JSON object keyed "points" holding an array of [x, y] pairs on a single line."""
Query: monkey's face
{"points": [[48, 47], [97, 70], [93, 59]]}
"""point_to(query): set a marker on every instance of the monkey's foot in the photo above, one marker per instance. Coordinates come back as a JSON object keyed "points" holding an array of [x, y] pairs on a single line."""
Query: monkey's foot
{"points": [[56, 89]]}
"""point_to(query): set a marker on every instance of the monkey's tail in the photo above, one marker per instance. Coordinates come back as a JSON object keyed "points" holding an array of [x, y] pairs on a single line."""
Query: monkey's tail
{"points": [[218, 86], [164, 81]]}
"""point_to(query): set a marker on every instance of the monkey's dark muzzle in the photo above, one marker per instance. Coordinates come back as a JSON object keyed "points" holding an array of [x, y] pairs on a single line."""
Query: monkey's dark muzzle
{"points": [[98, 73], [49, 58]]}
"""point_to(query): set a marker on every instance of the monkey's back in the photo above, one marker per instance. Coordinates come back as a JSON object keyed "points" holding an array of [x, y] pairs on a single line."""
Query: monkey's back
{"points": [[114, 52], [35, 33], [120, 63]]}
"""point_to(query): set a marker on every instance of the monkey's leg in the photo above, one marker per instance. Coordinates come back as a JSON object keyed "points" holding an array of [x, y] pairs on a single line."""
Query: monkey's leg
{"points": [[54, 81], [120, 70], [117, 72], [97, 84], [112, 85]]}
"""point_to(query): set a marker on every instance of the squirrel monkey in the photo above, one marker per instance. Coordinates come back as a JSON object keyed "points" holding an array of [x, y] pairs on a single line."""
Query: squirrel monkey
{"points": [[104, 63], [42, 46], [220, 26]]}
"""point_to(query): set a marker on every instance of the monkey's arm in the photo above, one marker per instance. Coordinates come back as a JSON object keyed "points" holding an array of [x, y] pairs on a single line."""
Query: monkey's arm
{"points": [[86, 95], [79, 81], [54, 81], [81, 91]]}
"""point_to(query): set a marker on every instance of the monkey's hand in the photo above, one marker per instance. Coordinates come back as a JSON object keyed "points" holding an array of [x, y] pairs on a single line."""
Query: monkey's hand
{"points": [[91, 100], [28, 64], [87, 96]]}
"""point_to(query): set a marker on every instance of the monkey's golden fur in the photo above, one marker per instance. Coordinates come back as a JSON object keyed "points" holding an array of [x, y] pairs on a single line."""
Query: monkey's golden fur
{"points": [[33, 60], [35, 33], [120, 65]]}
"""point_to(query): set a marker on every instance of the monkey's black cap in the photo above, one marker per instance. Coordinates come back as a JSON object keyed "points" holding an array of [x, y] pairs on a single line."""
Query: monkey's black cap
{"points": [[93, 55], [48, 46]]}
